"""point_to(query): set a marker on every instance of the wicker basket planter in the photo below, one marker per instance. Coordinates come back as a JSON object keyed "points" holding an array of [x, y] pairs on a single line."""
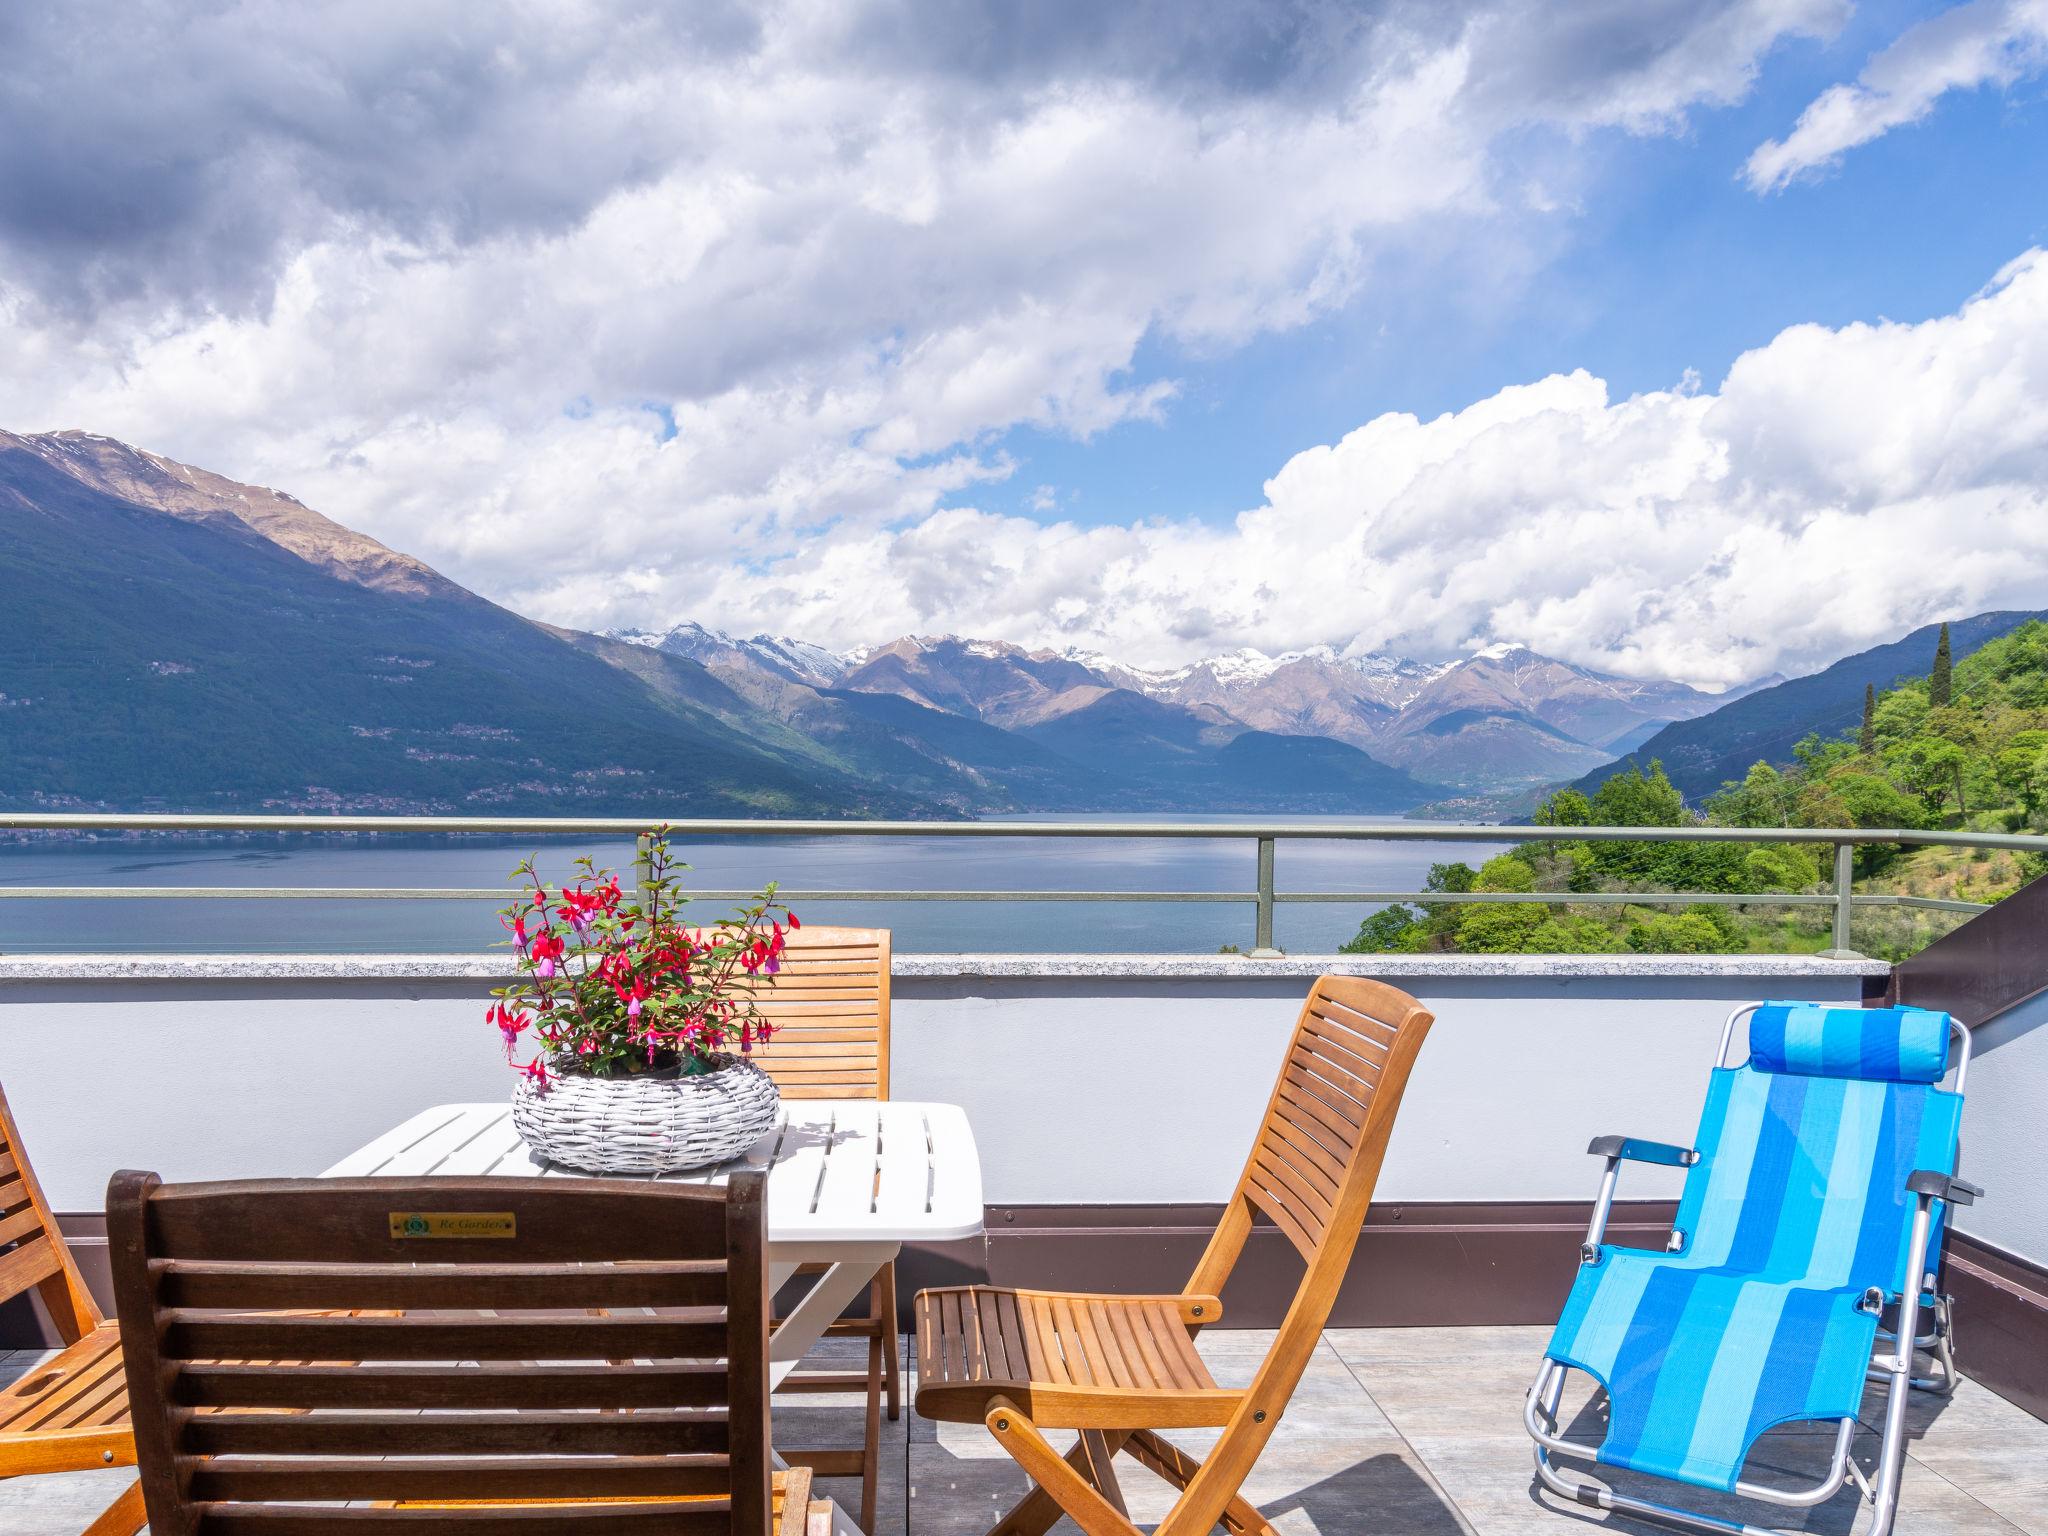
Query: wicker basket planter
{"points": [[647, 1124]]}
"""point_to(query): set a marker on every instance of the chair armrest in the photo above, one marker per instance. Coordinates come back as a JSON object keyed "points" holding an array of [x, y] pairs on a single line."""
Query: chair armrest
{"points": [[1643, 1151], [1931, 1185]]}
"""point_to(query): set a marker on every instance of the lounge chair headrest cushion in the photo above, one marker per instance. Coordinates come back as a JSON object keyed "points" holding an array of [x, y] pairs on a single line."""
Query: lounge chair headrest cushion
{"points": [[1899, 1045]]}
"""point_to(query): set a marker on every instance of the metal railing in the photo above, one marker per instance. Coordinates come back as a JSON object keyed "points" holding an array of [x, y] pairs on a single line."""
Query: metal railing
{"points": [[1264, 898]]}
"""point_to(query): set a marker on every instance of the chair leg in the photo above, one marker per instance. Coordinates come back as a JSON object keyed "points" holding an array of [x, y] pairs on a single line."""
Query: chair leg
{"points": [[871, 1446], [1085, 1504], [1038, 1511], [885, 1311], [1098, 1466], [124, 1517], [1177, 1467]]}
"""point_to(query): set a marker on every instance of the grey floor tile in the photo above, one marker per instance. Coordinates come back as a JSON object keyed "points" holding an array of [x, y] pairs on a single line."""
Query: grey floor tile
{"points": [[1328, 1402], [1399, 1432], [1494, 1484], [1306, 1487], [1368, 1346], [1477, 1394], [59, 1503]]}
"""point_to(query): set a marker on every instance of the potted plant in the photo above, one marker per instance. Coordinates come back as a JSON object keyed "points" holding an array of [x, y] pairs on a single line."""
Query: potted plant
{"points": [[643, 1025]]}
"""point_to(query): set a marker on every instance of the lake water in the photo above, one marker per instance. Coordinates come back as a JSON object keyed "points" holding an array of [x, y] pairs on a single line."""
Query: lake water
{"points": [[821, 864]]}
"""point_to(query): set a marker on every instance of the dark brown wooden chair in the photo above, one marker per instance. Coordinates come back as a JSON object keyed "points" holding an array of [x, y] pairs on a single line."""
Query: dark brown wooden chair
{"points": [[69, 1413], [542, 1357], [1122, 1368], [829, 1004]]}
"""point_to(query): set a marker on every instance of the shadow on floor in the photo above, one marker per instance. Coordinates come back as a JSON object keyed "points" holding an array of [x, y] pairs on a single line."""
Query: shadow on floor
{"points": [[1386, 1491]]}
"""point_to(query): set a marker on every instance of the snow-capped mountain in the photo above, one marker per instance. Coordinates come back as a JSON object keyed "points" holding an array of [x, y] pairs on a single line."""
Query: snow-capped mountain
{"points": [[797, 659], [1313, 692], [1503, 714], [988, 680]]}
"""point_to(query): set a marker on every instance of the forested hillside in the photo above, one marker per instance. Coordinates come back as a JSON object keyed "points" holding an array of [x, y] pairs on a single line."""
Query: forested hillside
{"points": [[1700, 753], [1965, 746]]}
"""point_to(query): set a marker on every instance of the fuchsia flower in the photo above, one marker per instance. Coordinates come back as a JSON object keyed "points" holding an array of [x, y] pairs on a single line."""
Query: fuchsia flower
{"points": [[509, 1024], [612, 980]]}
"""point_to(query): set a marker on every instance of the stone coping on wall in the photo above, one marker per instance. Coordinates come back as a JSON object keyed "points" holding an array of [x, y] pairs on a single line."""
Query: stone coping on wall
{"points": [[489, 967]]}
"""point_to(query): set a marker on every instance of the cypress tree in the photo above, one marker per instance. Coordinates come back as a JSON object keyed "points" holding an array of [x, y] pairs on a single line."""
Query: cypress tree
{"points": [[1866, 739], [1939, 685]]}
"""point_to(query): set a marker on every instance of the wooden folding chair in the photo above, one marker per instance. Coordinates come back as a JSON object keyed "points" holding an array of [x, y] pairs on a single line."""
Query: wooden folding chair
{"points": [[554, 1357], [829, 1004], [70, 1413], [1121, 1368]]}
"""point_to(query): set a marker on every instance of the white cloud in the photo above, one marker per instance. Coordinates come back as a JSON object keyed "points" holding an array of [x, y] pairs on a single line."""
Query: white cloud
{"points": [[452, 274], [1837, 489], [1982, 42]]}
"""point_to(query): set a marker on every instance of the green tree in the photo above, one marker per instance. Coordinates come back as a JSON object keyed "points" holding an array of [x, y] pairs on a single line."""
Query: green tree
{"points": [[1762, 799], [1565, 808], [1563, 934], [1901, 713], [1498, 928], [1872, 800], [1940, 682], [1633, 798], [1787, 867], [1932, 768], [1454, 878], [1677, 933], [1866, 738], [1505, 872], [1392, 930], [2022, 772]]}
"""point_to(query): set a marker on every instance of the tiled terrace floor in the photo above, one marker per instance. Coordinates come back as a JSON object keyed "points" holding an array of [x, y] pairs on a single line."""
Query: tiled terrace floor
{"points": [[1397, 1432]]}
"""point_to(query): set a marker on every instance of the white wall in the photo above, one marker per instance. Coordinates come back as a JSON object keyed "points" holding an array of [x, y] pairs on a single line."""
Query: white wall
{"points": [[1083, 1089], [2005, 1133], [1093, 1091]]}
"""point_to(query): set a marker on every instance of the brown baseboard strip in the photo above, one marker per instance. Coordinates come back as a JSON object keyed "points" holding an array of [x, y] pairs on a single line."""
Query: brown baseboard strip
{"points": [[2001, 1311], [1418, 1265]]}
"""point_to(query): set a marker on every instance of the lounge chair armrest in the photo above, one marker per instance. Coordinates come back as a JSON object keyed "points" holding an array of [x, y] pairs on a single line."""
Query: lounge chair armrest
{"points": [[1643, 1151], [1940, 1186]]}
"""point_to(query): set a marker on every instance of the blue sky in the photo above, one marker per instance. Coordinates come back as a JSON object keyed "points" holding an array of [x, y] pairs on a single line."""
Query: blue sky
{"points": [[1075, 325], [1671, 263]]}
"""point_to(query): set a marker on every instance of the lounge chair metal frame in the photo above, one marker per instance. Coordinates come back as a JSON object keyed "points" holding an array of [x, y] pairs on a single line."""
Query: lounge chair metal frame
{"points": [[1540, 1410]]}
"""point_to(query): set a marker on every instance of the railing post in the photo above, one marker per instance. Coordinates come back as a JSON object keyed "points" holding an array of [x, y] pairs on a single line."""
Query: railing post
{"points": [[1262, 931], [1845, 904]]}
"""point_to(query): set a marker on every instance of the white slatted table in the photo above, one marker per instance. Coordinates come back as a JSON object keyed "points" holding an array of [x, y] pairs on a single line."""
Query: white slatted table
{"points": [[850, 1181]]}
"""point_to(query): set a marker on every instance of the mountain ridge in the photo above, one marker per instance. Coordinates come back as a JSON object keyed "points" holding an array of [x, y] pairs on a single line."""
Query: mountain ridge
{"points": [[166, 624], [185, 642], [168, 618], [1701, 754], [1522, 718]]}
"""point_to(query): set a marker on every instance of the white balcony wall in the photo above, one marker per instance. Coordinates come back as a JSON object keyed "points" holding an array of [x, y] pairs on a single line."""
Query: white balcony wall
{"points": [[1089, 1080], [2005, 1133]]}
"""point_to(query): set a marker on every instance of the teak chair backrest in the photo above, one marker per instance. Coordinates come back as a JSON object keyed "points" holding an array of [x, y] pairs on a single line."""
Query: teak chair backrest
{"points": [[1311, 1173], [829, 1004], [32, 1251], [507, 1273]]}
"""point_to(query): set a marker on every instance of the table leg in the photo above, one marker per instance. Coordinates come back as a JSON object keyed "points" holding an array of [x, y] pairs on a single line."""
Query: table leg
{"points": [[851, 1269]]}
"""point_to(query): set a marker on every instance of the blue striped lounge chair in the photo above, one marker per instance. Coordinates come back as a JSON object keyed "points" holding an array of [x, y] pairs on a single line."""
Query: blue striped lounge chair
{"points": [[1814, 1198]]}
